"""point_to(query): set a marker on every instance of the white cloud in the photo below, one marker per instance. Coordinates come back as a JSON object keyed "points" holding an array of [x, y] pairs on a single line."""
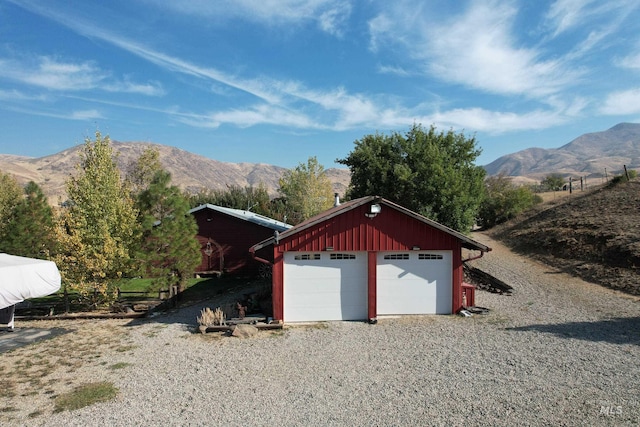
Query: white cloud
{"points": [[334, 20], [389, 69], [256, 115], [476, 48], [380, 30], [631, 61], [126, 86], [53, 74], [497, 122], [331, 16], [85, 115], [16, 95], [566, 14], [259, 88], [74, 115], [622, 102]]}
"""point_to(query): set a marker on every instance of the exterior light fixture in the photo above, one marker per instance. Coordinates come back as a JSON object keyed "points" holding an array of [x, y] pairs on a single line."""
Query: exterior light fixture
{"points": [[328, 248], [374, 210]]}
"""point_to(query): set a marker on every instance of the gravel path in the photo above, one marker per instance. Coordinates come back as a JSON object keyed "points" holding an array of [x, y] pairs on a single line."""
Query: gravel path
{"points": [[559, 351]]}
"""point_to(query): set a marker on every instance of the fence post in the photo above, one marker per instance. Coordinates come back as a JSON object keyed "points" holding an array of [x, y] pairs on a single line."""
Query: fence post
{"points": [[570, 185], [174, 290], [626, 172], [66, 300]]}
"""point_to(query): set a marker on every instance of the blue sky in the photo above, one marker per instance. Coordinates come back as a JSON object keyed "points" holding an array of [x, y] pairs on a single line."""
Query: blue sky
{"points": [[278, 81]]}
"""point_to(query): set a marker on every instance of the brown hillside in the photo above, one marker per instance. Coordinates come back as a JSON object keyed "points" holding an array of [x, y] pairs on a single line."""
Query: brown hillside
{"points": [[594, 235], [188, 171], [589, 155]]}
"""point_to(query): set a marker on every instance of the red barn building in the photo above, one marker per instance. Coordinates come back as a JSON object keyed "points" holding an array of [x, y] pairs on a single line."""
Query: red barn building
{"points": [[367, 258], [225, 236]]}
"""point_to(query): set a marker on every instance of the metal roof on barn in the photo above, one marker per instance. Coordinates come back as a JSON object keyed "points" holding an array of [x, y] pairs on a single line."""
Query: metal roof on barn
{"points": [[246, 216]]}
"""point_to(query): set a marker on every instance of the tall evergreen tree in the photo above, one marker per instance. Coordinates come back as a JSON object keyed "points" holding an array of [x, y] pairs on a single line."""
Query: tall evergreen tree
{"points": [[97, 227], [168, 248], [30, 232]]}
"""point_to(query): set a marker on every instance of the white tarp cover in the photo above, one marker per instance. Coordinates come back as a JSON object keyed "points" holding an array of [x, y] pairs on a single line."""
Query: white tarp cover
{"points": [[22, 278]]}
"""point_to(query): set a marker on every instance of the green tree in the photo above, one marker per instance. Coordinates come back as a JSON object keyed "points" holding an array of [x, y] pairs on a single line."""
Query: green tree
{"points": [[432, 173], [278, 209], [97, 228], [141, 172], [168, 249], [10, 193], [254, 199], [553, 182], [504, 200], [307, 191], [30, 232]]}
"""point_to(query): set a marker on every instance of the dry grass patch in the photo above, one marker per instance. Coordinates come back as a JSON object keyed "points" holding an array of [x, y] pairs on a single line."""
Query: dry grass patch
{"points": [[34, 377]]}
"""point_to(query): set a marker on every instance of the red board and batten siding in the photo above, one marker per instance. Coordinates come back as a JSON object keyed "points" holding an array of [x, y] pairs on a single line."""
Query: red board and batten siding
{"points": [[390, 230], [234, 237]]}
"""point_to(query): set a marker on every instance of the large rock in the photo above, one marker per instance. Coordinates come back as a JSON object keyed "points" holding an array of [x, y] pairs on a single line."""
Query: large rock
{"points": [[244, 331]]}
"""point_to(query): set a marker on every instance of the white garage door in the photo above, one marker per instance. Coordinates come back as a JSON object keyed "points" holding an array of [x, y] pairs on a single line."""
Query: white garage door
{"points": [[325, 286], [414, 282]]}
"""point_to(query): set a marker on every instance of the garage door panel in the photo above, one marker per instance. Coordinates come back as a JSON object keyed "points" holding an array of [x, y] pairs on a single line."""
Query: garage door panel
{"points": [[414, 282], [322, 288]]}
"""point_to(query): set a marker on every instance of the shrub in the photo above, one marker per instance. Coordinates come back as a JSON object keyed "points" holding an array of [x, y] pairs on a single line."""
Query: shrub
{"points": [[504, 201]]}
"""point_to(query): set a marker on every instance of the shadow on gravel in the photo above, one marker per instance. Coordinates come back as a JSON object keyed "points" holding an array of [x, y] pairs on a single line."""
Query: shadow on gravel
{"points": [[622, 330], [216, 292]]}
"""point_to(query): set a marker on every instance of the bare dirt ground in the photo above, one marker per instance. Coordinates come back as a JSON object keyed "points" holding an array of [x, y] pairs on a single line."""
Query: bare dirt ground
{"points": [[594, 235]]}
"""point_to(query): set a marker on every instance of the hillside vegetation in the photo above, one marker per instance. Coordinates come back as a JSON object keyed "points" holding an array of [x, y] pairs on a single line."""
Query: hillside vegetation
{"points": [[594, 235]]}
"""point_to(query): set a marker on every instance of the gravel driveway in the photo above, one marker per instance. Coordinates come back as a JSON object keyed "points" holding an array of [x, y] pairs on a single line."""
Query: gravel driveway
{"points": [[559, 351]]}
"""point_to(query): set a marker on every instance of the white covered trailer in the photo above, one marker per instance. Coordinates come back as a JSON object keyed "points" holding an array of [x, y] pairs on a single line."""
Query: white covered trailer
{"points": [[22, 278]]}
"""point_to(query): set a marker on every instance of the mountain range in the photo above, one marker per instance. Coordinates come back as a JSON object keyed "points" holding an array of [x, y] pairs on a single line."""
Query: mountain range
{"points": [[189, 171], [588, 155], [591, 155]]}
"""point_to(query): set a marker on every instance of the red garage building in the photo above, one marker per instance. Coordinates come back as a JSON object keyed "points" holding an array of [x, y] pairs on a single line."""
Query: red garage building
{"points": [[367, 258], [225, 236]]}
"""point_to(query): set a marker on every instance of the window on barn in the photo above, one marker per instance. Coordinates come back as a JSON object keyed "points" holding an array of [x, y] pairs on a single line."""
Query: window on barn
{"points": [[307, 257], [429, 256], [343, 256], [396, 256]]}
